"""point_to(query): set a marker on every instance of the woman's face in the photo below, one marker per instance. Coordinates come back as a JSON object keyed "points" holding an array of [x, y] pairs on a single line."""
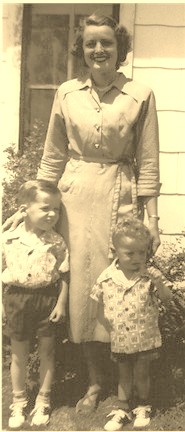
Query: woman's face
{"points": [[100, 48]]}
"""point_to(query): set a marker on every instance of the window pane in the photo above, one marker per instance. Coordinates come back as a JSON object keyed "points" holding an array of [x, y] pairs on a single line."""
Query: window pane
{"points": [[48, 50]]}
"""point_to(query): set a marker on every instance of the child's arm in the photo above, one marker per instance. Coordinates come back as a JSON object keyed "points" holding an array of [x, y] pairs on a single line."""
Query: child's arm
{"points": [[59, 310], [165, 294], [162, 285]]}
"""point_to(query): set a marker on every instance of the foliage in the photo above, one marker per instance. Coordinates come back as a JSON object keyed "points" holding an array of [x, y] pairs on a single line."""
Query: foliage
{"points": [[171, 262], [21, 168], [169, 376]]}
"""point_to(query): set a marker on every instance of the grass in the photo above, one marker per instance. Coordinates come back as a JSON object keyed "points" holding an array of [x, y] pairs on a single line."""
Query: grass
{"points": [[168, 392]]}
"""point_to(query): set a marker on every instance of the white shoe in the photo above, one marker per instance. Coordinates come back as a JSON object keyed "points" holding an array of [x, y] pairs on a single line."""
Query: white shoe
{"points": [[41, 415], [142, 414], [17, 417], [118, 419]]}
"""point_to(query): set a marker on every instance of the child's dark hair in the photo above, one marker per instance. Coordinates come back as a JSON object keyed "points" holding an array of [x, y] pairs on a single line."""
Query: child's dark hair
{"points": [[28, 191], [131, 227], [121, 34]]}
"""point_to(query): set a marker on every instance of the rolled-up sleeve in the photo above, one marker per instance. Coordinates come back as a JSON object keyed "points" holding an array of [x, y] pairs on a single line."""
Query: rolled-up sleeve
{"points": [[55, 153], [147, 149]]}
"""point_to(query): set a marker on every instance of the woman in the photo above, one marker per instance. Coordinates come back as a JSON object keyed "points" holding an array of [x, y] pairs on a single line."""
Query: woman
{"points": [[102, 148]]}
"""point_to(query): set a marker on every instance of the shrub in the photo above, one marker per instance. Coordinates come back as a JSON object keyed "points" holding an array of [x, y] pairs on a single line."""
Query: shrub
{"points": [[21, 168]]}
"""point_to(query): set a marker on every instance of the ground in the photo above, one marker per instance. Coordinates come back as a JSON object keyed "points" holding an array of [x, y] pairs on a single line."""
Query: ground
{"points": [[168, 394]]}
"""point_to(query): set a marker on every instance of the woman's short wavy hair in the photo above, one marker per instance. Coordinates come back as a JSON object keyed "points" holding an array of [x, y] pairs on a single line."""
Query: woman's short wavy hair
{"points": [[122, 36]]}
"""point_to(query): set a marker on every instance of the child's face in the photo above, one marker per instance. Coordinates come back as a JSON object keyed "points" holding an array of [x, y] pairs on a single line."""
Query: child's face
{"points": [[43, 213], [132, 254]]}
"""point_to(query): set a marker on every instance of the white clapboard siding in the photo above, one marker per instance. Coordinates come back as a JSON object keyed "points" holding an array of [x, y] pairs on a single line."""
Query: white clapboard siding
{"points": [[168, 86], [168, 172], [171, 131], [159, 46], [172, 167], [172, 211], [164, 14], [159, 62], [181, 175]]}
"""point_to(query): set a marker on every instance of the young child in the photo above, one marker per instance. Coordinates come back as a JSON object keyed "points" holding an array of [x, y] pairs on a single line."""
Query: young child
{"points": [[128, 292], [35, 278]]}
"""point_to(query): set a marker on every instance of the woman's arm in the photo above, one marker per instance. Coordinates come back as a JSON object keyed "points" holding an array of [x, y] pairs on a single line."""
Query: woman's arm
{"points": [[147, 157], [152, 213], [55, 153]]}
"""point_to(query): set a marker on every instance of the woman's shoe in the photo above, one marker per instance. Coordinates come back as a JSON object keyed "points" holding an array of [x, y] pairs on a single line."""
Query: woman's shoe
{"points": [[91, 404]]}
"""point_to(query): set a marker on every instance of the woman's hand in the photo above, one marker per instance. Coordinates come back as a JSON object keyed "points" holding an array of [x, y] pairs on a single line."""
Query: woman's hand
{"points": [[13, 221], [151, 207], [154, 231]]}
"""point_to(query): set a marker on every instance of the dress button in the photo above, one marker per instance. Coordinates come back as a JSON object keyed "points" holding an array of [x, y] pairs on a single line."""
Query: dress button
{"points": [[97, 128], [98, 110], [97, 145], [29, 274]]}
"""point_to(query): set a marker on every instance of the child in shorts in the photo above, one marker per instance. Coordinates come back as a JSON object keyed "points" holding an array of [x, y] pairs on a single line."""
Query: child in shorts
{"points": [[36, 291], [128, 291]]}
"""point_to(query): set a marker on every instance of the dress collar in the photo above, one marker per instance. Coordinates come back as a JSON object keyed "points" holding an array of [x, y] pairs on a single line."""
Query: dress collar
{"points": [[121, 82]]}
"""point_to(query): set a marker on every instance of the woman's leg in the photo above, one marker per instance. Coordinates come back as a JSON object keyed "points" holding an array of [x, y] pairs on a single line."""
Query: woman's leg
{"points": [[92, 355]]}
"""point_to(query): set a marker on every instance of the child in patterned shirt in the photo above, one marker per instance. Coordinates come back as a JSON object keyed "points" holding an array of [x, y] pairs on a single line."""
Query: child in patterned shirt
{"points": [[36, 290], [127, 292]]}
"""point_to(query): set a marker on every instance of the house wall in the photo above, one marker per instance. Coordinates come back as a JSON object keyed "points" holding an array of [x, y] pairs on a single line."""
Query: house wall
{"points": [[11, 72], [158, 60]]}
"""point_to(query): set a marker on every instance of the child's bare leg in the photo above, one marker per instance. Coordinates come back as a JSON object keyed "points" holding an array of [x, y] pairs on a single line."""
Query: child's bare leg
{"points": [[118, 417], [41, 412], [47, 359], [125, 384], [142, 382], [20, 351], [142, 378]]}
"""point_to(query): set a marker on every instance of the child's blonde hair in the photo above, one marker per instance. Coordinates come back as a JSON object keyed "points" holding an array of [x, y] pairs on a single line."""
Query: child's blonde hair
{"points": [[131, 227]]}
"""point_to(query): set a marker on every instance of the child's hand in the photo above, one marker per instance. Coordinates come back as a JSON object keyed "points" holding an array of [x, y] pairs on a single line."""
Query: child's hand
{"points": [[58, 313]]}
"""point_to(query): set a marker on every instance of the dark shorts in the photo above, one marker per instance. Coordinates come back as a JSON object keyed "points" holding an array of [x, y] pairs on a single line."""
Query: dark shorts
{"points": [[151, 355], [27, 311]]}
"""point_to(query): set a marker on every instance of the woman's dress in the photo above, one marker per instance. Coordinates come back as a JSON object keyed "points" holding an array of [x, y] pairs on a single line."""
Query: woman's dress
{"points": [[105, 156]]}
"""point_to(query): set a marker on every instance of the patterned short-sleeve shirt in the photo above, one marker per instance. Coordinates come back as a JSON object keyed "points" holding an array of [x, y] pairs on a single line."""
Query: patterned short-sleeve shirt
{"points": [[131, 307], [33, 261]]}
